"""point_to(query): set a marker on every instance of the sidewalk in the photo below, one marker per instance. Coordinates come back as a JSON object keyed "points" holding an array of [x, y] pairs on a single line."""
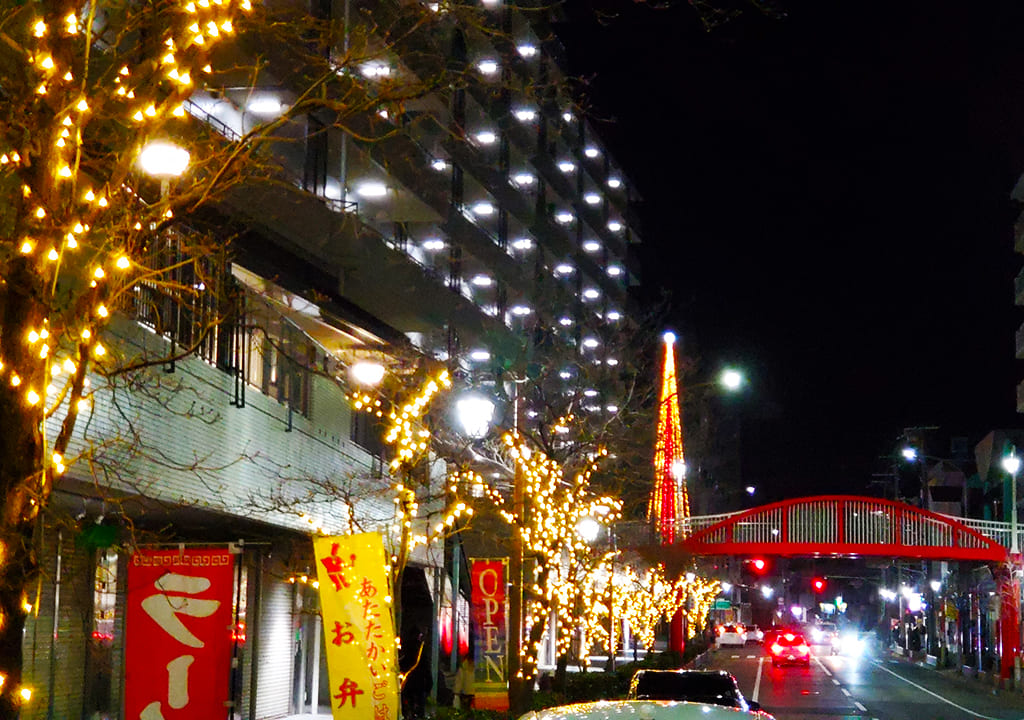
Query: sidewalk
{"points": [[964, 676]]}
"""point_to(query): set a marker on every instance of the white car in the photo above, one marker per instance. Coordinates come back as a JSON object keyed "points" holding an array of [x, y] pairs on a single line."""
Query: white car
{"points": [[643, 710], [734, 635], [754, 634]]}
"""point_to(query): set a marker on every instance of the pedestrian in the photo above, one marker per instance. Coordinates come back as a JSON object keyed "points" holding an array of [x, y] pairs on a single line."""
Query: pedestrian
{"points": [[464, 683]]}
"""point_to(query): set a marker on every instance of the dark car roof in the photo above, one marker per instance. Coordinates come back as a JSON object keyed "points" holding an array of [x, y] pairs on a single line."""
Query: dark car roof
{"points": [[709, 686]]}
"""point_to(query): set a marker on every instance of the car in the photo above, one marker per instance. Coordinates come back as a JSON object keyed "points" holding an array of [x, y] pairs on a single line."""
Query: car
{"points": [[790, 648], [732, 635], [824, 633], [754, 634], [714, 687], [644, 710]]}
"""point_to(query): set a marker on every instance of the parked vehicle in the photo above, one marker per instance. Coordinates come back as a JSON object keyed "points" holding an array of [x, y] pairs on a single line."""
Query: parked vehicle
{"points": [[644, 710], [716, 687]]}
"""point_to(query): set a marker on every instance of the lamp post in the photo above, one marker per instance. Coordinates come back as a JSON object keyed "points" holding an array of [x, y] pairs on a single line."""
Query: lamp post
{"points": [[1011, 464]]}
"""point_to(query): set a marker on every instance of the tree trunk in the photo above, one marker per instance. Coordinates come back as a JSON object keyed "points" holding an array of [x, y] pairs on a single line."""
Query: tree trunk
{"points": [[22, 480]]}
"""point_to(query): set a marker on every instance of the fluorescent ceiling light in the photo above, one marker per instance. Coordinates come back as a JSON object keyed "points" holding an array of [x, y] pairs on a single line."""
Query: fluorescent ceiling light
{"points": [[375, 70], [265, 105], [488, 66], [591, 293], [565, 374], [522, 244], [521, 310], [614, 182], [527, 50], [433, 244], [590, 392], [564, 217], [614, 225], [565, 321], [591, 246], [611, 361], [591, 152], [567, 116], [523, 178], [590, 342], [526, 114], [481, 280], [439, 164], [613, 315], [483, 209], [614, 270], [564, 269], [372, 189], [486, 137], [592, 199], [479, 355], [612, 408], [566, 166]]}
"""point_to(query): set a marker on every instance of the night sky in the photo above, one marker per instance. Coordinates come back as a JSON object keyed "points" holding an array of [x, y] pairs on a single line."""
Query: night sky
{"points": [[827, 199]]}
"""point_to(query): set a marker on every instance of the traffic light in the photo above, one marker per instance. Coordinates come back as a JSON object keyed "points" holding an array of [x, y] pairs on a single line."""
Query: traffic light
{"points": [[758, 565], [818, 584]]}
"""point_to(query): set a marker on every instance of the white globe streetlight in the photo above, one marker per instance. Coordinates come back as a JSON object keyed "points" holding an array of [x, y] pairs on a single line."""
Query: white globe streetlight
{"points": [[163, 159], [367, 372], [475, 414], [588, 528], [731, 379]]}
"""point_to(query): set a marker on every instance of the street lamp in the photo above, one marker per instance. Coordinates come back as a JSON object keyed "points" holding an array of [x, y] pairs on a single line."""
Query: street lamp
{"points": [[1011, 464], [475, 413], [163, 159]]}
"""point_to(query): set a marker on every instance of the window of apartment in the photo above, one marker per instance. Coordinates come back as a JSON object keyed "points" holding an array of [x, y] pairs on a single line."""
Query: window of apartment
{"points": [[367, 432], [279, 360]]}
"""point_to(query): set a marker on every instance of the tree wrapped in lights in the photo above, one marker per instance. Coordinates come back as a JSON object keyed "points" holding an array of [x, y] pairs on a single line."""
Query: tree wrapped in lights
{"points": [[647, 598], [669, 502], [83, 87], [565, 569]]}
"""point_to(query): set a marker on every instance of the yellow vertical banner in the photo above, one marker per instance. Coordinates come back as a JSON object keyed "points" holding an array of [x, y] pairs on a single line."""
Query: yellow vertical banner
{"points": [[359, 627]]}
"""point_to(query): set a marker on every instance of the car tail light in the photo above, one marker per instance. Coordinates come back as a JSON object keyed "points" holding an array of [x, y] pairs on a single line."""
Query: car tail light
{"points": [[804, 650], [777, 649]]}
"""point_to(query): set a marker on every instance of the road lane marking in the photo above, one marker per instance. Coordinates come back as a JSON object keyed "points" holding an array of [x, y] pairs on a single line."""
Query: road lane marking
{"points": [[835, 681], [859, 706], [845, 692], [933, 694], [757, 682]]}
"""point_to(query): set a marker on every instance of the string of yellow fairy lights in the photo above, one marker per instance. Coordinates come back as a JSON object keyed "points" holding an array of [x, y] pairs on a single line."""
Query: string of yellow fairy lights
{"points": [[645, 599], [566, 570]]}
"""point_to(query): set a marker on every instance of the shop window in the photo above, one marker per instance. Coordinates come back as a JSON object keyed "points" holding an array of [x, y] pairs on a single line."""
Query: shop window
{"points": [[98, 691]]}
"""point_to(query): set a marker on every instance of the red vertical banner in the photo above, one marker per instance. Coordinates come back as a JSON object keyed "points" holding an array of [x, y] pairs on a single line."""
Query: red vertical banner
{"points": [[490, 631], [178, 634]]}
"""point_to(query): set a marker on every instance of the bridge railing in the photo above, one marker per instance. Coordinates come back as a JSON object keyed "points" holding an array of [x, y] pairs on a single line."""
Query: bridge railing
{"points": [[862, 522]]}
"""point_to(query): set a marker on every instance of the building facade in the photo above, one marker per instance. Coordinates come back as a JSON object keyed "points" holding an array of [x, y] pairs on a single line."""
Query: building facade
{"points": [[475, 224]]}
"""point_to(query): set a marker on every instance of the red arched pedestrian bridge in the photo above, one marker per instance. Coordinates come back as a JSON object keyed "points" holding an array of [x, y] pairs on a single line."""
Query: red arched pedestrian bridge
{"points": [[851, 526], [845, 525]]}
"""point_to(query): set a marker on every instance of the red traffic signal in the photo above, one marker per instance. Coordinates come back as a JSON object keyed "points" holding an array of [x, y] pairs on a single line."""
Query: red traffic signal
{"points": [[818, 584], [759, 564]]}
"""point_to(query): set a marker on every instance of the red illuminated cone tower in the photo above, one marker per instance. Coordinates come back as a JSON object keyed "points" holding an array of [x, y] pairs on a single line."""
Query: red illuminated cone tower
{"points": [[669, 503]]}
